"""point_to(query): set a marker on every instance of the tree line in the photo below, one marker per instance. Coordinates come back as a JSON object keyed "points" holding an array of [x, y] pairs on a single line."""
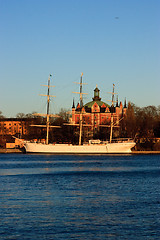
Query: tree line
{"points": [[143, 124]]}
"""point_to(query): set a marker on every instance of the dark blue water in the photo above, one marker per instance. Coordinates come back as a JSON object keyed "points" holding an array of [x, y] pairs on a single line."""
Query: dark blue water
{"points": [[79, 197]]}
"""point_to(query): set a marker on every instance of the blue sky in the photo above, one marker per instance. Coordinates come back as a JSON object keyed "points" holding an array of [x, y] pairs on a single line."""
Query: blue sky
{"points": [[110, 41]]}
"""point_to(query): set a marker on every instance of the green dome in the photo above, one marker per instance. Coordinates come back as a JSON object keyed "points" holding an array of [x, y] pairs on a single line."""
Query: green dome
{"points": [[99, 102]]}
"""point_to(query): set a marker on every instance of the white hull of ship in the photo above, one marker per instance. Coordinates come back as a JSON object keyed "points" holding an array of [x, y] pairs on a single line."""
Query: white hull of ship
{"points": [[121, 147]]}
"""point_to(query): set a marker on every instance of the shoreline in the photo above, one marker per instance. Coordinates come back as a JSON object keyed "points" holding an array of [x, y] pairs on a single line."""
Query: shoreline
{"points": [[10, 150], [13, 150], [145, 152]]}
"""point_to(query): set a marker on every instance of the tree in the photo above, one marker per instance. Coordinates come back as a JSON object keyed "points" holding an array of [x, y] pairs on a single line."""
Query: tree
{"points": [[128, 127], [65, 133], [64, 114], [1, 115], [20, 115], [146, 120]]}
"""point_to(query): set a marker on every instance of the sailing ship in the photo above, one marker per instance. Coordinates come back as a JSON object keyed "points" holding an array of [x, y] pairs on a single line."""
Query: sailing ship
{"points": [[91, 147]]}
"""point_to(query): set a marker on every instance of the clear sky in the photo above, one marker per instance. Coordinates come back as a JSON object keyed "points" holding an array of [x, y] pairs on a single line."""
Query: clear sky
{"points": [[110, 41]]}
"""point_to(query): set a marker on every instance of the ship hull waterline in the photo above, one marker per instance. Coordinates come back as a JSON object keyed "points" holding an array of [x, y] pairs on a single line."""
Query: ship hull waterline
{"points": [[76, 149]]}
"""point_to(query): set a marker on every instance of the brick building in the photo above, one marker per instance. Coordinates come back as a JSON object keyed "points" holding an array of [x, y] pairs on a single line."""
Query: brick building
{"points": [[97, 113], [12, 126], [18, 127]]}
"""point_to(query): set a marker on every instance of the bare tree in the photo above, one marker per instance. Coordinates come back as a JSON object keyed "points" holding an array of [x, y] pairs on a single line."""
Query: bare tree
{"points": [[1, 115], [20, 115]]}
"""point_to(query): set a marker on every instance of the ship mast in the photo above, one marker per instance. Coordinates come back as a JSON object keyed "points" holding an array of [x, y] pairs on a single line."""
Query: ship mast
{"points": [[48, 103], [81, 106], [47, 115], [48, 106], [112, 109]]}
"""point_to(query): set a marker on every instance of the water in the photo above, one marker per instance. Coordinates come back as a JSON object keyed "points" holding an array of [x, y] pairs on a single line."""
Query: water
{"points": [[79, 197]]}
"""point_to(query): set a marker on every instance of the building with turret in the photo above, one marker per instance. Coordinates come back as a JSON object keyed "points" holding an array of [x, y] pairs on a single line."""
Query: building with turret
{"points": [[98, 113]]}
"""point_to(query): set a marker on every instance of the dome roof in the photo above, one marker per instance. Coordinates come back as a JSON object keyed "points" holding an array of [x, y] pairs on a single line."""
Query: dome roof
{"points": [[99, 102]]}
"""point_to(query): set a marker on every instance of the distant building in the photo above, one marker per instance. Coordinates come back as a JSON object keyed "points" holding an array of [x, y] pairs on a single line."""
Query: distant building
{"points": [[98, 113], [18, 127], [12, 126]]}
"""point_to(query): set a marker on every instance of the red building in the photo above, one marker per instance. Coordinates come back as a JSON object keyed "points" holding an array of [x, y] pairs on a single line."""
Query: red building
{"points": [[97, 112]]}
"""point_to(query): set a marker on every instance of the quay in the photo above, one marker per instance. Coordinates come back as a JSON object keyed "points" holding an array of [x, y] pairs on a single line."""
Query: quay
{"points": [[145, 152], [15, 150], [10, 150]]}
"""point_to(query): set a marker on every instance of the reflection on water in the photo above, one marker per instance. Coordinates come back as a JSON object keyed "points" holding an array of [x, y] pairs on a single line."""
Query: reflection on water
{"points": [[79, 197]]}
